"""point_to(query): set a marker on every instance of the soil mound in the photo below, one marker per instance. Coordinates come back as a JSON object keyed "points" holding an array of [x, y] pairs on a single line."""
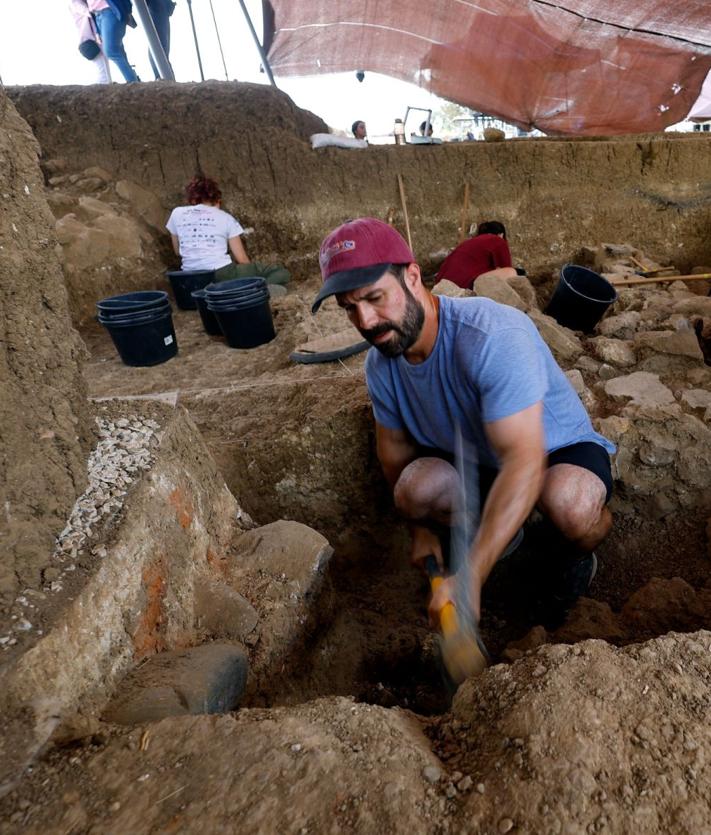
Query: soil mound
{"points": [[586, 739], [571, 739]]}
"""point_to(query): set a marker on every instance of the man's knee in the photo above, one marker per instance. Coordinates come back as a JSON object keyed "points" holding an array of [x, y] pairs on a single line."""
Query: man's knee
{"points": [[573, 499], [575, 520], [425, 489]]}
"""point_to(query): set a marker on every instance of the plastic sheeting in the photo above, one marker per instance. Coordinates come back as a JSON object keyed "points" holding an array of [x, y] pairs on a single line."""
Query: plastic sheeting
{"points": [[701, 111], [575, 67]]}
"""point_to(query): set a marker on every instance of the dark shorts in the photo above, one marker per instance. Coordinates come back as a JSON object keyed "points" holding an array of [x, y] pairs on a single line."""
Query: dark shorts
{"points": [[588, 455]]}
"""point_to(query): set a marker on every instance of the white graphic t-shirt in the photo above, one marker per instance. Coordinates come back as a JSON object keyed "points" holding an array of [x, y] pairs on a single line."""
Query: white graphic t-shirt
{"points": [[203, 232]]}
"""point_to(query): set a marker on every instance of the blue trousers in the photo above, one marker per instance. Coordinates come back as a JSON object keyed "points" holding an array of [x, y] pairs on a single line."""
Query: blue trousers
{"points": [[112, 31], [160, 12]]}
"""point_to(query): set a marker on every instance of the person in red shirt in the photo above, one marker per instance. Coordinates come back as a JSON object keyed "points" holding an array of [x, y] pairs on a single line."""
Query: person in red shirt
{"points": [[487, 253]]}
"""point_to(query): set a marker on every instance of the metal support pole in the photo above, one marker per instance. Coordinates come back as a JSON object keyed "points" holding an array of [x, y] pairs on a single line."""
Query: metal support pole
{"points": [[195, 38], [154, 44], [219, 40], [260, 48]]}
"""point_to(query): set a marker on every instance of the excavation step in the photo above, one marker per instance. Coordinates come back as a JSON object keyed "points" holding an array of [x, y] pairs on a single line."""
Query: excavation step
{"points": [[207, 679]]}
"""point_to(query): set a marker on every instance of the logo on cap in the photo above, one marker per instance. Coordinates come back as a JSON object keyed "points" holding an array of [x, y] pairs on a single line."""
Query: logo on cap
{"points": [[335, 249]]}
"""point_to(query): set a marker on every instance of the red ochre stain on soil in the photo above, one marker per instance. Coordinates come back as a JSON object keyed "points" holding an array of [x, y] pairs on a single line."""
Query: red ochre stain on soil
{"points": [[218, 562], [147, 639], [183, 507]]}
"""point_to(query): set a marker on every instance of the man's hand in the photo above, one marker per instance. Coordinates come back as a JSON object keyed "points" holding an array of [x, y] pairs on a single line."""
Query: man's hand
{"points": [[447, 592], [424, 543]]}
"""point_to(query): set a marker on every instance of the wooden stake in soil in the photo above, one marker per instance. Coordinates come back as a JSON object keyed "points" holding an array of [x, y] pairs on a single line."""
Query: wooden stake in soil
{"points": [[463, 220], [638, 263], [647, 271], [401, 185], [658, 279]]}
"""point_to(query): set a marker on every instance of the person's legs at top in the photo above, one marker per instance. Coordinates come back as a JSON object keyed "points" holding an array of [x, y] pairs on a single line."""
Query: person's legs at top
{"points": [[160, 12], [112, 32], [101, 69]]}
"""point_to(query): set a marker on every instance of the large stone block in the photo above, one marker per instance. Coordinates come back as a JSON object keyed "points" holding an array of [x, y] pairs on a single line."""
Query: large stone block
{"points": [[621, 326], [564, 344], [682, 343], [640, 388], [206, 679], [499, 290], [124, 590]]}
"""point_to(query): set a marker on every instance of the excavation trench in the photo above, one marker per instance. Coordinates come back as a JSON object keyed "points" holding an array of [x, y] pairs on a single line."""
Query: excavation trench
{"points": [[585, 738], [297, 443], [373, 641]]}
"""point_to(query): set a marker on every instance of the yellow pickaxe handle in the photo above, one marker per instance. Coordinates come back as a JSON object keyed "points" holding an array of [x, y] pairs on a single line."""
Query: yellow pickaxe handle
{"points": [[462, 652], [447, 614]]}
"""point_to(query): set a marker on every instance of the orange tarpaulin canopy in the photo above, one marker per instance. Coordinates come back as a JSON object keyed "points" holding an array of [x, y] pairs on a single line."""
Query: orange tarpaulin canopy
{"points": [[574, 67]]}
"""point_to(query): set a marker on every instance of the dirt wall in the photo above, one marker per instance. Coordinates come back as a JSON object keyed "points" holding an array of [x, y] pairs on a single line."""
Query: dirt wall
{"points": [[556, 196], [43, 412]]}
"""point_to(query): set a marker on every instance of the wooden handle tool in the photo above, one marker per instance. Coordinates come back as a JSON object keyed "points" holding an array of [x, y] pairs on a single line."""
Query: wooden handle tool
{"points": [[463, 651]]}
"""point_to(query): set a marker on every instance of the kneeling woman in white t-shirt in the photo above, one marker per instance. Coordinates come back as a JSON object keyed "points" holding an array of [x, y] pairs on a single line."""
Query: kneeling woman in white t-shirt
{"points": [[205, 237]]}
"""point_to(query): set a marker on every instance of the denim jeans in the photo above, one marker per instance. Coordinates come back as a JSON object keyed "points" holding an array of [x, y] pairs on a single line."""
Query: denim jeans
{"points": [[112, 31], [160, 12]]}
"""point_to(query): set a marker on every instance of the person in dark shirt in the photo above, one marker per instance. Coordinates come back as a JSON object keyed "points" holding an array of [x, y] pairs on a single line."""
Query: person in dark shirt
{"points": [[487, 253]]}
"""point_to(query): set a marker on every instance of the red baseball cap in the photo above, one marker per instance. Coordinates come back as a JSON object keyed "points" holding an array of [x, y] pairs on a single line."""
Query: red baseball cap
{"points": [[357, 254]]}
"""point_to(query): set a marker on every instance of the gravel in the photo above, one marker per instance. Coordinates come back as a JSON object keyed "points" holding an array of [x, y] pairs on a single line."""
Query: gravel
{"points": [[124, 451]]}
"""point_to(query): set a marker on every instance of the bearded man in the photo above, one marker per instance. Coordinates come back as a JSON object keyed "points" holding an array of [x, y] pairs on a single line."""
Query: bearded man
{"points": [[439, 363]]}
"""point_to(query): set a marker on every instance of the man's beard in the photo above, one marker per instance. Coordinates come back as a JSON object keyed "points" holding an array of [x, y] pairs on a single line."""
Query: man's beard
{"points": [[405, 333]]}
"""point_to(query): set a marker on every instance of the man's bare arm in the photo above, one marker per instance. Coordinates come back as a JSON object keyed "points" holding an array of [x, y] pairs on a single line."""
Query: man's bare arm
{"points": [[395, 449], [519, 443], [176, 244], [239, 253]]}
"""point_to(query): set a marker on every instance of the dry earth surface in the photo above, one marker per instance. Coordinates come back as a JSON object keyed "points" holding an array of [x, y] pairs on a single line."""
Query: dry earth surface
{"points": [[166, 598]]}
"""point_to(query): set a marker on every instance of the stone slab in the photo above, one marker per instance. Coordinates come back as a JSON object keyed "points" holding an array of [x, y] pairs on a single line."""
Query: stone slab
{"points": [[641, 388], [205, 679]]}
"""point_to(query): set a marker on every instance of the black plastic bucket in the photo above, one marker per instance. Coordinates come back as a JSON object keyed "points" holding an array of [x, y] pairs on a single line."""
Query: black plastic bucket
{"points": [[241, 306], [209, 320], [133, 302], [183, 282], [580, 299], [142, 335], [235, 287]]}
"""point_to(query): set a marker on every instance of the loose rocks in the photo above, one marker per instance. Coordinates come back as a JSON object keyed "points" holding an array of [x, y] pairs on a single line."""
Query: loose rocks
{"points": [[641, 388]]}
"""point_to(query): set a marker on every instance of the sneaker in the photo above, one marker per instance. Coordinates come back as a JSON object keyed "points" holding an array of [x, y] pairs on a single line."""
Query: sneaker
{"points": [[573, 581]]}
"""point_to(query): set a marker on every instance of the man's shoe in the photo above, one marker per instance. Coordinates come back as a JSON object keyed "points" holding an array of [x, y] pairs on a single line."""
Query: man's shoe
{"points": [[571, 581]]}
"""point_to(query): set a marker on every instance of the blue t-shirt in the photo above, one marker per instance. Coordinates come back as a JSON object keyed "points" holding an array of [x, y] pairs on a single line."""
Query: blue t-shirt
{"points": [[488, 362]]}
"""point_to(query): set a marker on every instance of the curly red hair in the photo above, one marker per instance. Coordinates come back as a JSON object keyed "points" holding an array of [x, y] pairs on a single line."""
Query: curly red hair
{"points": [[202, 190]]}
